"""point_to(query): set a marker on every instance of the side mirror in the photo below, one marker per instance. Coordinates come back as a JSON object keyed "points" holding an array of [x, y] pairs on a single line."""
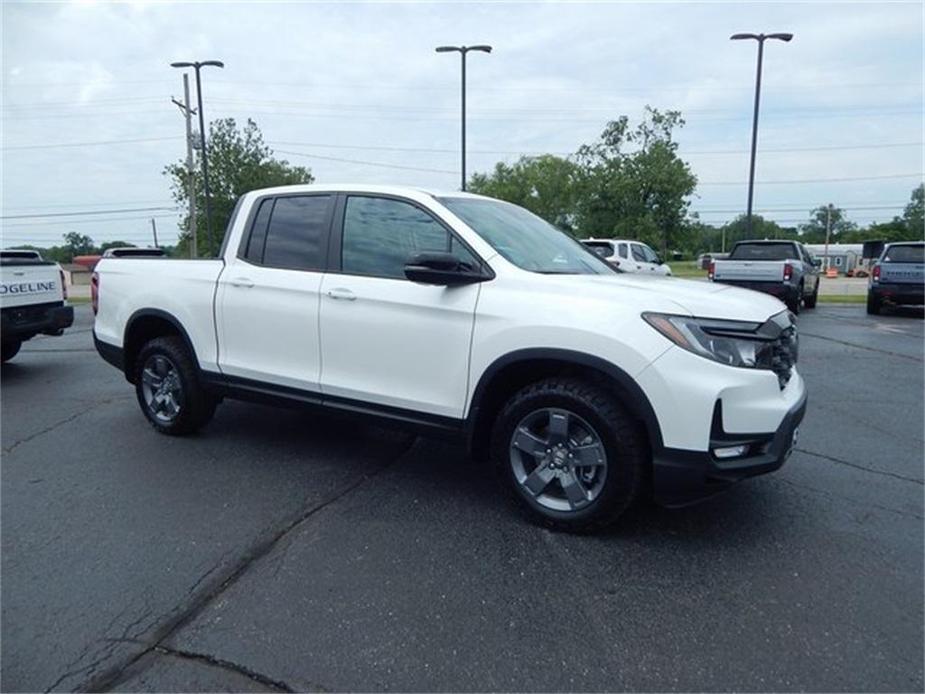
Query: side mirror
{"points": [[442, 269], [817, 262]]}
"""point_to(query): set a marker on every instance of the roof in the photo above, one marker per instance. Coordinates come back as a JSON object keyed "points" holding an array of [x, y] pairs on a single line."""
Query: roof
{"points": [[403, 191]]}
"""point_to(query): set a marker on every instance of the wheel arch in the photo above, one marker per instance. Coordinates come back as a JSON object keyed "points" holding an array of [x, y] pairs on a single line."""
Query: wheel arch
{"points": [[145, 325], [507, 374]]}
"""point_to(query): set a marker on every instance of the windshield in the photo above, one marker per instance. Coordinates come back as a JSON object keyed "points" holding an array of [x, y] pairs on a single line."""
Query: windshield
{"points": [[905, 254], [526, 240], [764, 251]]}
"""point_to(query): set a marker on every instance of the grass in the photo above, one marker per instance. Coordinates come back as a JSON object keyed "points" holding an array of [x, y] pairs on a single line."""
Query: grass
{"points": [[74, 300], [843, 298], [687, 268]]}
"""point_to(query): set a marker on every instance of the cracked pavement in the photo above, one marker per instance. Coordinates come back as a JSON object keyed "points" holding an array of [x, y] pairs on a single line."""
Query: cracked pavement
{"points": [[284, 551]]}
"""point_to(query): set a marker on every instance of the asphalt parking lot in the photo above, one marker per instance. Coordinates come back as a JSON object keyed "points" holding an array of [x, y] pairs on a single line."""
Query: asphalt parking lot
{"points": [[286, 551]]}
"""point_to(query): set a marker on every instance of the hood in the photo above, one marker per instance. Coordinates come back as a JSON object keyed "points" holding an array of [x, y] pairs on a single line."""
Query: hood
{"points": [[670, 295]]}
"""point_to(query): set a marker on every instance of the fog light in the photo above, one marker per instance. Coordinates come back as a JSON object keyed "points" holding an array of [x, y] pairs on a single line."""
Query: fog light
{"points": [[730, 451]]}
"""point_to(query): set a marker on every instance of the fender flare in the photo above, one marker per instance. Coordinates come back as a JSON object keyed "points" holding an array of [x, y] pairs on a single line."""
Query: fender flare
{"points": [[153, 313], [631, 395]]}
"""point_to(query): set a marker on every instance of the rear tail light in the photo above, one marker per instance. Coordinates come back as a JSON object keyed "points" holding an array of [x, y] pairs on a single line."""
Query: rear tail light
{"points": [[876, 274], [95, 293], [63, 284], [712, 271], [788, 271]]}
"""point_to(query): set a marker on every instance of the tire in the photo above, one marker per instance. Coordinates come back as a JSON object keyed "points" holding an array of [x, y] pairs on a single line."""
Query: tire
{"points": [[168, 388], [794, 303], [597, 428], [873, 304], [810, 301], [10, 349]]}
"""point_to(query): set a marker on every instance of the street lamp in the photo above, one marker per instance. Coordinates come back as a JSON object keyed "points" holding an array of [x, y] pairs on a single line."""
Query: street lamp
{"points": [[760, 38], [196, 65], [462, 50]]}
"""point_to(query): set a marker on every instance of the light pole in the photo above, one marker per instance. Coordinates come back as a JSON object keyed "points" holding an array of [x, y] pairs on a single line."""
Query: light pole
{"points": [[760, 38], [196, 65], [462, 50]]}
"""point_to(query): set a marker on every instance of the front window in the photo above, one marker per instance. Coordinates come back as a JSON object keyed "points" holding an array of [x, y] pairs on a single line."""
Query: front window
{"points": [[525, 240]]}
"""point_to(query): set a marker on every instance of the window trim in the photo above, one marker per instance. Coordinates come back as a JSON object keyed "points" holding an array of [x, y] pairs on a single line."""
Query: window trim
{"points": [[326, 230], [336, 245]]}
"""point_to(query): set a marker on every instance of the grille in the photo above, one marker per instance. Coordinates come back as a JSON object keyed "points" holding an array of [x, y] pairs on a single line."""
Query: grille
{"points": [[784, 352]]}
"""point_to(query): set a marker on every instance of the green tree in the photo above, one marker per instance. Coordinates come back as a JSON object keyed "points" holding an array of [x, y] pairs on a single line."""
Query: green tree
{"points": [[814, 230], [737, 230], [546, 185], [75, 244], [633, 184], [239, 162], [914, 214]]}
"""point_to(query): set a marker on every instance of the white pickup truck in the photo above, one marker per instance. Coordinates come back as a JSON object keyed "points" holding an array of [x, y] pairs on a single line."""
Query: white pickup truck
{"points": [[461, 314], [785, 269], [32, 299]]}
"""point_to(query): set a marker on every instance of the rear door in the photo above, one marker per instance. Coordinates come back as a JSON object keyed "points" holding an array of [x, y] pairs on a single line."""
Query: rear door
{"points": [[268, 294], [903, 264], [384, 339]]}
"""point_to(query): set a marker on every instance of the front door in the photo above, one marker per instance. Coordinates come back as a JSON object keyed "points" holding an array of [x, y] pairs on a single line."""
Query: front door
{"points": [[384, 339]]}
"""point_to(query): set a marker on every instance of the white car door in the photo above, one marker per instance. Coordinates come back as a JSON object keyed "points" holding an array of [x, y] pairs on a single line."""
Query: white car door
{"points": [[384, 339], [268, 294], [640, 260]]}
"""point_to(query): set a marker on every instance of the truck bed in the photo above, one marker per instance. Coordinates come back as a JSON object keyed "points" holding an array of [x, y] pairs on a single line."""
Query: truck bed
{"points": [[184, 289]]}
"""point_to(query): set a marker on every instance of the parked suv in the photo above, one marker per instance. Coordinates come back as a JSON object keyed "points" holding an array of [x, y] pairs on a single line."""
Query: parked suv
{"points": [[898, 276], [468, 316], [629, 256]]}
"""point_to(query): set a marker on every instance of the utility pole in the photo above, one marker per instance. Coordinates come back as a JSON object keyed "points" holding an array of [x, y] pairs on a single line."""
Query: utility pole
{"points": [[190, 175], [154, 231], [828, 230]]}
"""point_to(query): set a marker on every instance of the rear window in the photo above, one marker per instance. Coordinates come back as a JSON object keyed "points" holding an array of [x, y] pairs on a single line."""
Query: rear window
{"points": [[905, 254], [601, 248], [22, 258], [764, 251]]}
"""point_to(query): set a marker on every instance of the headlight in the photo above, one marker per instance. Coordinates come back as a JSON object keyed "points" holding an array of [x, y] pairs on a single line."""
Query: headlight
{"points": [[735, 343]]}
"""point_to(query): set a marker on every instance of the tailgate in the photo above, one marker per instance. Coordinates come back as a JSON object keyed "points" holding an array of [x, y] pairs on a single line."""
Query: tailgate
{"points": [[902, 273], [749, 270], [22, 285]]}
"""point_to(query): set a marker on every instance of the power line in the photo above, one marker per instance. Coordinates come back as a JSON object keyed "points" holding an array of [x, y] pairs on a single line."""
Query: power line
{"points": [[88, 212], [811, 180], [39, 225], [88, 204], [92, 144], [366, 163]]}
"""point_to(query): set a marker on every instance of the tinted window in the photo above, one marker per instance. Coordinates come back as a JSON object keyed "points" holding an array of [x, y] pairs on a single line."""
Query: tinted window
{"points": [[764, 251], [297, 233], [905, 254], [651, 256], [601, 248], [254, 250], [380, 235], [621, 249], [638, 253]]}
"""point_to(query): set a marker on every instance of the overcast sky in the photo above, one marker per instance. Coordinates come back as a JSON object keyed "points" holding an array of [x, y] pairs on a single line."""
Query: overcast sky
{"points": [[356, 92]]}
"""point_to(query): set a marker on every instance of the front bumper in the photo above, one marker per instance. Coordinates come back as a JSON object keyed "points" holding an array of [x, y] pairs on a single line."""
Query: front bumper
{"points": [[24, 322], [910, 294], [682, 477]]}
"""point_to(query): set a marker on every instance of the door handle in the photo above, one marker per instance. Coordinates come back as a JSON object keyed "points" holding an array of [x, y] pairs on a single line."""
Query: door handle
{"points": [[242, 282], [342, 294]]}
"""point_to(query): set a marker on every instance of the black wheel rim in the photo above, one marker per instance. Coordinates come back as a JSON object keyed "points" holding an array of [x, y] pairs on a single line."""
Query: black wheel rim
{"points": [[558, 459], [161, 388]]}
